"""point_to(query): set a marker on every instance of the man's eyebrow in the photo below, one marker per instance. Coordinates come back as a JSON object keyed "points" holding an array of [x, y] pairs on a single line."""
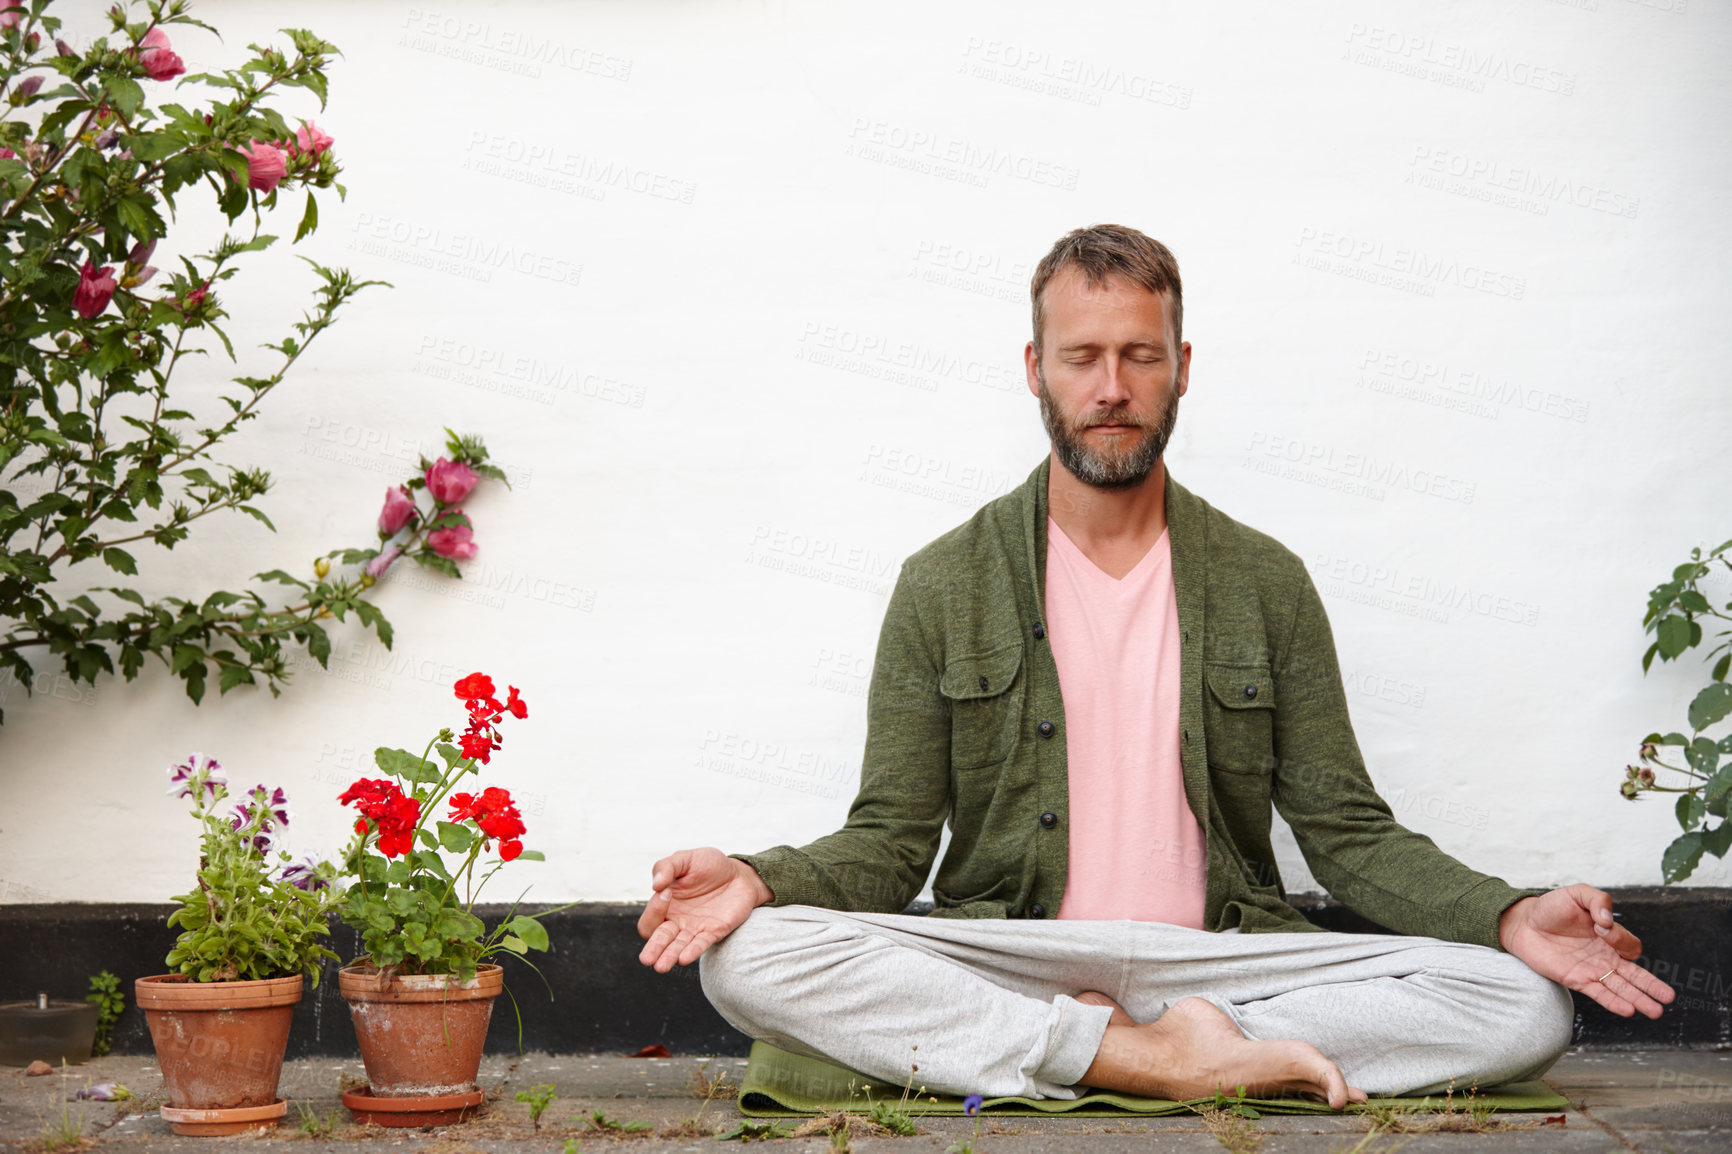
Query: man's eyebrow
{"points": [[1095, 346]]}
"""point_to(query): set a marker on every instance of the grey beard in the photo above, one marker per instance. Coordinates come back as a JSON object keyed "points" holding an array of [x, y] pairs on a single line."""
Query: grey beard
{"points": [[1120, 472]]}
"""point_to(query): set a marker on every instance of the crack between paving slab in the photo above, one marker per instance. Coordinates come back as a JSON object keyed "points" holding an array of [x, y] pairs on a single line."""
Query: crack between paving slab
{"points": [[1581, 1107]]}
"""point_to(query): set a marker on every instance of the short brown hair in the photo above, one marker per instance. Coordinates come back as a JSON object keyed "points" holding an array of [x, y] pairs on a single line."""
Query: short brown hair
{"points": [[1102, 250]]}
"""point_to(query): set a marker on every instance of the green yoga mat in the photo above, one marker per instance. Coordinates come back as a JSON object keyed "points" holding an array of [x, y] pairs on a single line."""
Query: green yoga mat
{"points": [[781, 1085]]}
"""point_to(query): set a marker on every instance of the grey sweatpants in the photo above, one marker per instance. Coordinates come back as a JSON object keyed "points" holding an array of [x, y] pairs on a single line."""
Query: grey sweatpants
{"points": [[990, 1003]]}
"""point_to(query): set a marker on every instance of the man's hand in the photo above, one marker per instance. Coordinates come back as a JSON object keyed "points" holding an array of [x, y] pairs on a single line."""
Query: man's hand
{"points": [[1568, 935], [701, 896]]}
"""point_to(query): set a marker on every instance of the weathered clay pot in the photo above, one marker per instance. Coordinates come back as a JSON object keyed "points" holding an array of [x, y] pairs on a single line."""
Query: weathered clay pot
{"points": [[421, 1035], [220, 1044]]}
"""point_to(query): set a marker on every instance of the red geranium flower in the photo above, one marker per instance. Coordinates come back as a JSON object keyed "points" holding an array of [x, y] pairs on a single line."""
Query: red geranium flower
{"points": [[384, 805], [495, 813], [476, 685], [518, 707]]}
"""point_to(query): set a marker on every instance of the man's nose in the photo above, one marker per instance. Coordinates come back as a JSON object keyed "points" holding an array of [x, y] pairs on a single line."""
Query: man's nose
{"points": [[1113, 388]]}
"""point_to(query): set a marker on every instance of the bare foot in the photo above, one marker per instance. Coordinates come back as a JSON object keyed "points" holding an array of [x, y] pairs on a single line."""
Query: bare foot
{"points": [[1096, 998], [1194, 1050]]}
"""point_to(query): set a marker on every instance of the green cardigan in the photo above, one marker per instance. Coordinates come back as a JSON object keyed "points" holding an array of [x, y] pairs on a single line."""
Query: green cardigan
{"points": [[965, 723]]}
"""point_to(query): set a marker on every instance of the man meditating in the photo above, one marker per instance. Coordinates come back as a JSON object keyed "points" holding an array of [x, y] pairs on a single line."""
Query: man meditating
{"points": [[1103, 684]]}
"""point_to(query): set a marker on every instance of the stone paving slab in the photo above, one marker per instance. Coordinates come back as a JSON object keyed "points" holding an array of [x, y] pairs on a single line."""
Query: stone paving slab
{"points": [[1675, 1100]]}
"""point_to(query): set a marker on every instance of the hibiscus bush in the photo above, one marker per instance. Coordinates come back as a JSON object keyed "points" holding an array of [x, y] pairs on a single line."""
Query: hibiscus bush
{"points": [[96, 457], [404, 899], [248, 918]]}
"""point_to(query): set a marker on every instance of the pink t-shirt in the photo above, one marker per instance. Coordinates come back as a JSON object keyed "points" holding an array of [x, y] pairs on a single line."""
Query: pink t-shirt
{"points": [[1136, 850]]}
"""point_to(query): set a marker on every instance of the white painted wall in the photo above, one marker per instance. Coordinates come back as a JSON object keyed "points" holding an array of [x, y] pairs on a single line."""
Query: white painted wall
{"points": [[724, 451]]}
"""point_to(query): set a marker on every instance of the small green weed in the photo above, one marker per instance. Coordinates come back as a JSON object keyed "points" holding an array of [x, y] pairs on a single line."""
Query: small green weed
{"points": [[572, 1146], [313, 1124], [600, 1121], [105, 994], [539, 1099], [748, 1131]]}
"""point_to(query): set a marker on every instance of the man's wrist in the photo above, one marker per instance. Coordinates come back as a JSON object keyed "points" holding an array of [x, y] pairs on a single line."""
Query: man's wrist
{"points": [[760, 889], [1509, 921]]}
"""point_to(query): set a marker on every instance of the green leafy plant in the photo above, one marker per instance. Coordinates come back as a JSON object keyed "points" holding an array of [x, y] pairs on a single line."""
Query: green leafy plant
{"points": [[314, 1124], [572, 1146], [405, 899], [600, 1121], [539, 1099], [96, 456], [1676, 612], [248, 918], [66, 1127], [105, 994], [749, 1131]]}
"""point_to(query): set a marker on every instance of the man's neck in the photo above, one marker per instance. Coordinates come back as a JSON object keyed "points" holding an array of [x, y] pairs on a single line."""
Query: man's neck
{"points": [[1112, 527]]}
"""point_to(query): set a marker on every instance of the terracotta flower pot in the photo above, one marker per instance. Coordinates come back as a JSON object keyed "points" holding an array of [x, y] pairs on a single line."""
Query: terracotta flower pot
{"points": [[421, 1035], [220, 1044]]}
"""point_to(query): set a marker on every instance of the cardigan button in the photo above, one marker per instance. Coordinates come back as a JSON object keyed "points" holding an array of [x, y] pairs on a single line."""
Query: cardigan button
{"points": [[1250, 691], [1039, 631], [1048, 820], [1047, 728], [1037, 910], [983, 684]]}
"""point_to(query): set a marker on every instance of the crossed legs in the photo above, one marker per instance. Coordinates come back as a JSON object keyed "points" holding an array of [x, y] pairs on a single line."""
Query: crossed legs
{"points": [[993, 1005]]}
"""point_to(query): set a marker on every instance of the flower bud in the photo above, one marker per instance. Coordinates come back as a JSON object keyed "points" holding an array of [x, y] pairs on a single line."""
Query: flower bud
{"points": [[1630, 773], [1648, 751], [321, 568], [33, 41], [29, 86], [1628, 789], [1646, 776], [63, 48]]}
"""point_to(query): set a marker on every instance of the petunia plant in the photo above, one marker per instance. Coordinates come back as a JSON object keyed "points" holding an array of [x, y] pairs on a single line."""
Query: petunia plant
{"points": [[101, 452], [256, 912], [412, 906]]}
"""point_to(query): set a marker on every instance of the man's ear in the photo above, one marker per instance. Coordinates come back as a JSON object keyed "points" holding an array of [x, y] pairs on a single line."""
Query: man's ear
{"points": [[1184, 366], [1031, 365]]}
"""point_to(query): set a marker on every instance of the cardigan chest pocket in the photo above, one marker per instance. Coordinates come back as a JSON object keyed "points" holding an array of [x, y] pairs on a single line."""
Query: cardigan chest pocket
{"points": [[985, 692], [1239, 718]]}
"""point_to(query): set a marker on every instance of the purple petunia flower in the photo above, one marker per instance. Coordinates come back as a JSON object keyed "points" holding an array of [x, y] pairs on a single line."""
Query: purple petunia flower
{"points": [[276, 815], [971, 1104], [304, 876], [197, 768]]}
